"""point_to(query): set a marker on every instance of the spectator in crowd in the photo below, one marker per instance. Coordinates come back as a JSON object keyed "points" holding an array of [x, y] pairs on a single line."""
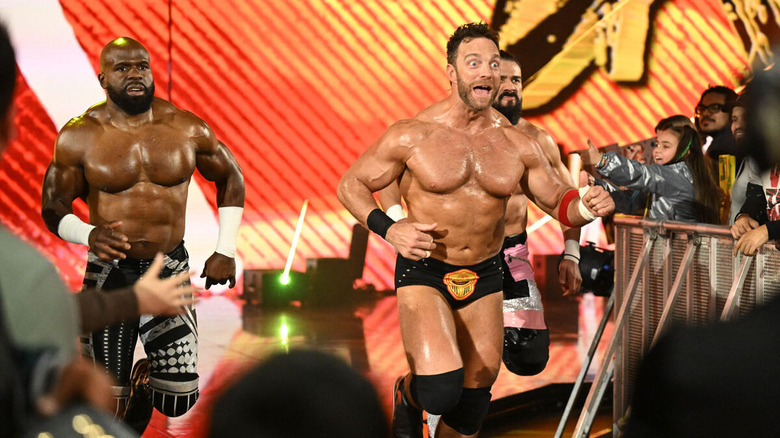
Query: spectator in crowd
{"points": [[720, 380], [713, 120], [748, 171], [757, 214], [759, 218], [680, 181]]}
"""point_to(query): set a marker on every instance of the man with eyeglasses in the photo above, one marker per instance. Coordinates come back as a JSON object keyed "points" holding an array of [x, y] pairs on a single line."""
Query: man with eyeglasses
{"points": [[713, 119]]}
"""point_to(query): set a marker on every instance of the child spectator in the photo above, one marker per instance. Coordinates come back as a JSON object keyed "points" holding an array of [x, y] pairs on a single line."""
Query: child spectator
{"points": [[679, 182]]}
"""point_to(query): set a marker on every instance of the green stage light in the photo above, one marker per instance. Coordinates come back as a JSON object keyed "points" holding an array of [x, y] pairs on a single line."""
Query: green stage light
{"points": [[284, 333], [286, 273], [272, 288]]}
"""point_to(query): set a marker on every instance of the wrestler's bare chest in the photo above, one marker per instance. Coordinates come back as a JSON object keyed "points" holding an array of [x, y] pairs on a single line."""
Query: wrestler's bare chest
{"points": [[117, 160], [447, 161]]}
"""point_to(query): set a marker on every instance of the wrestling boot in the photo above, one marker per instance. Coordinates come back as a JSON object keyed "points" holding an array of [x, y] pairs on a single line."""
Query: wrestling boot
{"points": [[138, 410], [407, 420]]}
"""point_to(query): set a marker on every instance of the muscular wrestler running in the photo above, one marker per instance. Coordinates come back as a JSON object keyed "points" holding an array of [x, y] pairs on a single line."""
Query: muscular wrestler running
{"points": [[526, 348], [458, 161], [131, 159]]}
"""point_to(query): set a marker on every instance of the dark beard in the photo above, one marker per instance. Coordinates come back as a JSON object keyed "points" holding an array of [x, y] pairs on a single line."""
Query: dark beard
{"points": [[714, 132], [741, 147], [132, 105], [512, 112]]}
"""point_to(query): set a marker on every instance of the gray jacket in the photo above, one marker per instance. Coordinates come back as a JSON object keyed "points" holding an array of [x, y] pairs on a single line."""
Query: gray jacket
{"points": [[672, 195]]}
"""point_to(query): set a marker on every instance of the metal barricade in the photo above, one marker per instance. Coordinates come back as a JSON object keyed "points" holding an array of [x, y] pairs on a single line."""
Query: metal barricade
{"points": [[670, 272]]}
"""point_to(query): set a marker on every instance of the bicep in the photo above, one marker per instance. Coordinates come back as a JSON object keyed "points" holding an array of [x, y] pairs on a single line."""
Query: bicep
{"points": [[63, 183], [563, 172], [374, 171], [217, 164], [381, 164], [553, 155], [542, 185], [212, 158], [64, 180]]}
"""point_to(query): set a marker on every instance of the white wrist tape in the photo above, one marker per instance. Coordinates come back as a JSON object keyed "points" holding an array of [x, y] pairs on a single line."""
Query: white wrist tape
{"points": [[571, 250], [229, 221], [396, 212], [584, 212], [74, 230]]}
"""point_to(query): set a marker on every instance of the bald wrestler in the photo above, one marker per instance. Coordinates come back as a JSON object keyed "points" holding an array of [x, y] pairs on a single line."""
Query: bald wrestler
{"points": [[131, 159], [457, 163]]}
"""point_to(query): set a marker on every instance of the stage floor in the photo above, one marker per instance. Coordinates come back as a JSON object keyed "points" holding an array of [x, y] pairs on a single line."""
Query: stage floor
{"points": [[235, 335]]}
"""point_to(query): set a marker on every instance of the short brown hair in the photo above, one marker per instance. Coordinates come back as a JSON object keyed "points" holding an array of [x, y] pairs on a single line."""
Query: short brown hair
{"points": [[468, 32]]}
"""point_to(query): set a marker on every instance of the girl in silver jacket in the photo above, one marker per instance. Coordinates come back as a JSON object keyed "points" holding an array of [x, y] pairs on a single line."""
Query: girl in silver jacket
{"points": [[680, 182]]}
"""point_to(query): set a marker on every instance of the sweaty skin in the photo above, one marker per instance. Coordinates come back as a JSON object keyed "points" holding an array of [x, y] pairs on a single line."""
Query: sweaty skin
{"points": [[458, 162], [517, 208], [457, 178], [516, 216], [133, 170]]}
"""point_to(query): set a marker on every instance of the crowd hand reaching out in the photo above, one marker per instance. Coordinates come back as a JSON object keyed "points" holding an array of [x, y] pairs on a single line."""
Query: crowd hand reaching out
{"points": [[163, 296], [591, 155], [107, 243], [412, 240]]}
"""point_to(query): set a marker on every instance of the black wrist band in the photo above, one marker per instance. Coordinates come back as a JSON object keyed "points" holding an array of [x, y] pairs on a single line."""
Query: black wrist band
{"points": [[379, 222]]}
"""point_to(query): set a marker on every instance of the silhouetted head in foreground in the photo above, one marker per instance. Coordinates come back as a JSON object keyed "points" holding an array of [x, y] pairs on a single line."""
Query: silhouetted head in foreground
{"points": [[304, 393]]}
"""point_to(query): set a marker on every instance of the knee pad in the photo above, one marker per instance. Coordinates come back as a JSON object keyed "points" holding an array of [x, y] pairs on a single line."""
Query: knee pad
{"points": [[467, 416], [526, 351], [173, 394], [437, 393]]}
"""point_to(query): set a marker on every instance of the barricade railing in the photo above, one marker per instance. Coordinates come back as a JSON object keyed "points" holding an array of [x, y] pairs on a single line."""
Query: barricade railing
{"points": [[668, 272]]}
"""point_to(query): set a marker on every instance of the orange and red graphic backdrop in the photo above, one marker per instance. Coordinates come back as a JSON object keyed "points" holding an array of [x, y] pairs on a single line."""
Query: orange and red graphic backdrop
{"points": [[298, 89]]}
